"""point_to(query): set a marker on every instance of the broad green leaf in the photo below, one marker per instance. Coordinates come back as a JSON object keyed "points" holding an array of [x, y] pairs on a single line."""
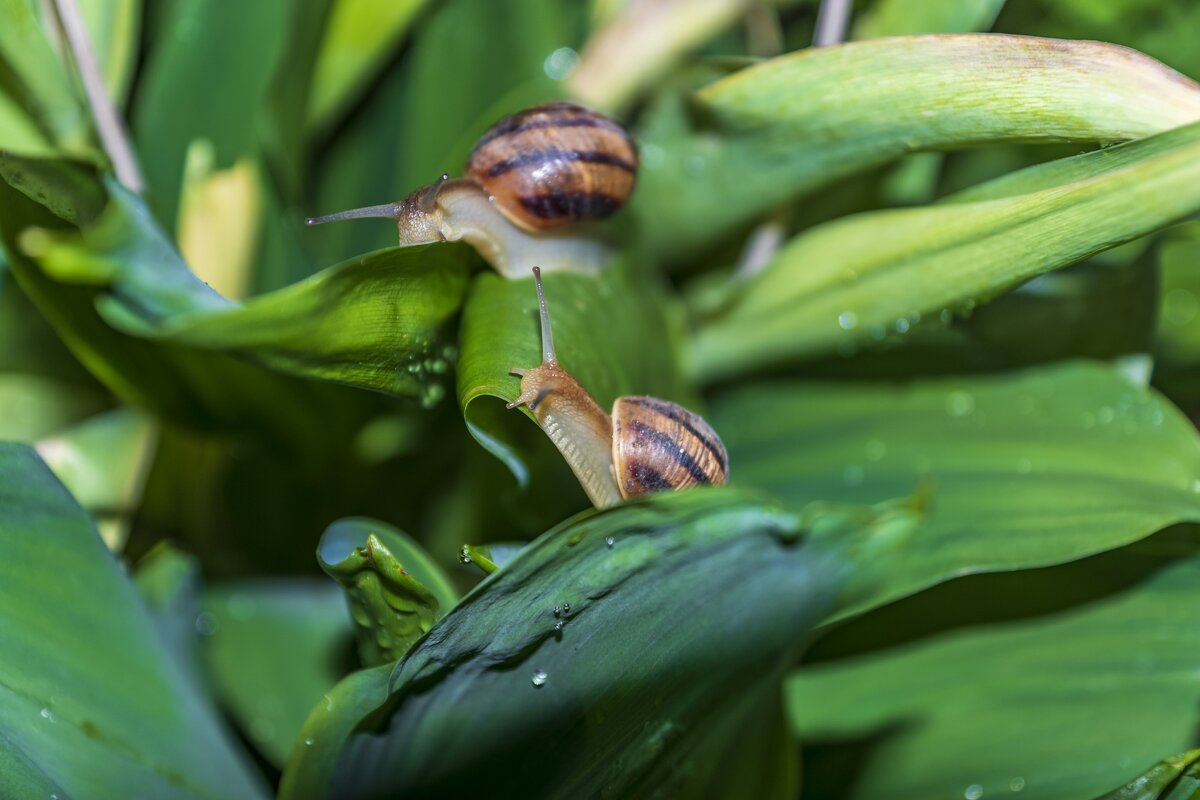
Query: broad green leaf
{"points": [[359, 36], [37, 81], [373, 322], [899, 18], [1062, 700], [206, 78], [92, 703], [1028, 469], [1174, 778], [500, 330], [272, 649], [309, 769], [836, 283], [383, 573], [640, 666], [103, 461], [169, 582], [801, 121]]}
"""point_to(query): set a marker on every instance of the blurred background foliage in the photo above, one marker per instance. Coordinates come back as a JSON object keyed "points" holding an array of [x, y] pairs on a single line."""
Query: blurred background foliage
{"points": [[215, 399]]}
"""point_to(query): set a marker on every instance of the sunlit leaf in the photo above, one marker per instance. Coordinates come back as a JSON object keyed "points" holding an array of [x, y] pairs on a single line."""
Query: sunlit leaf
{"points": [[800, 121], [842, 281]]}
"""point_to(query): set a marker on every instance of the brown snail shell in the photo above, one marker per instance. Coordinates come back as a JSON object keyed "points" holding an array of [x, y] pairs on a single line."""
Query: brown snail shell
{"points": [[646, 445], [659, 446], [555, 164]]}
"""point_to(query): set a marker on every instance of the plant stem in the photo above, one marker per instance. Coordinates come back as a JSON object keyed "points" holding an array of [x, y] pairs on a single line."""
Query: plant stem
{"points": [[831, 22]]}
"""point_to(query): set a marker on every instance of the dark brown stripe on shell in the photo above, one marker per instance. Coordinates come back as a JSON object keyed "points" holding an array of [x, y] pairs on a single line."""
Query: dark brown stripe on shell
{"points": [[645, 476], [668, 445], [682, 416], [575, 205], [555, 154], [514, 125]]}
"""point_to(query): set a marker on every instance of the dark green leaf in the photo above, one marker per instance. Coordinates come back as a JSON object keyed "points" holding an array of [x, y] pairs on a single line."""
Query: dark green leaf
{"points": [[668, 613], [1173, 778]]}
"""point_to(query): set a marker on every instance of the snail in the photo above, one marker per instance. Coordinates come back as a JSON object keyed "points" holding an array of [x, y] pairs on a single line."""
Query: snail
{"points": [[646, 445], [529, 178]]}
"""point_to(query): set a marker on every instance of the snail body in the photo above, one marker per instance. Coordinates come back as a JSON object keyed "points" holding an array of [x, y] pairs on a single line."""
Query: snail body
{"points": [[530, 177], [645, 445]]}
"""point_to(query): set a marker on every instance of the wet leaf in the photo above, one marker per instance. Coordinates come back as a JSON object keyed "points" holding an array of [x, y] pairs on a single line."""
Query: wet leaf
{"points": [[567, 705], [1174, 778]]}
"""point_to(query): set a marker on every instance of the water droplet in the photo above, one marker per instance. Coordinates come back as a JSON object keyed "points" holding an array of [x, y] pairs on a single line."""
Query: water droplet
{"points": [[46, 714], [875, 450], [902, 325], [53, 797], [432, 395], [560, 63], [878, 332], [1024, 466], [973, 792], [308, 741], [539, 679], [959, 403], [946, 316], [1106, 415], [558, 611], [328, 703], [853, 475], [847, 320], [205, 624], [464, 555], [1016, 784], [558, 626], [566, 609], [609, 542]]}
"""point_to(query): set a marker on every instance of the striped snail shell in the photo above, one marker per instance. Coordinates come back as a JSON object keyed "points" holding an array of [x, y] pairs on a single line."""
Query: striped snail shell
{"points": [[555, 164], [528, 178], [646, 445]]}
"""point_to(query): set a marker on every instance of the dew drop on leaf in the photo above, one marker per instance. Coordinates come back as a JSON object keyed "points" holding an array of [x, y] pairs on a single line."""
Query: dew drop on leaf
{"points": [[973, 792], [609, 542], [539, 679], [847, 320]]}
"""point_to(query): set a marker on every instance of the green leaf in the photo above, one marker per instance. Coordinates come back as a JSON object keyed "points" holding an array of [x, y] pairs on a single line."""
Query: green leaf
{"points": [[38, 82], [206, 79], [92, 704], [1175, 777], [670, 612], [1030, 469], [308, 771], [114, 27], [1057, 698], [839, 282], [359, 36], [803, 120], [500, 330], [395, 590], [272, 649], [898, 18]]}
